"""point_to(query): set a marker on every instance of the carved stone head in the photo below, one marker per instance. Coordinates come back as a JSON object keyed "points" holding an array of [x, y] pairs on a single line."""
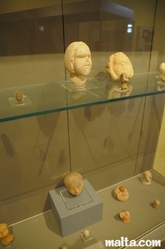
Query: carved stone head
{"points": [[73, 182], [78, 61]]}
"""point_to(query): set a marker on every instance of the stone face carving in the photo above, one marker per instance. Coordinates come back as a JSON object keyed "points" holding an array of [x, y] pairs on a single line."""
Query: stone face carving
{"points": [[124, 216], [156, 203], [19, 96], [74, 183], [119, 67], [146, 178], [5, 236], [78, 62], [121, 193]]}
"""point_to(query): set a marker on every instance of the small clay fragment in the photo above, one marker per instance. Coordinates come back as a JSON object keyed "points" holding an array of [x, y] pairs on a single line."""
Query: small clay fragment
{"points": [[156, 203], [121, 188], [124, 216], [121, 193]]}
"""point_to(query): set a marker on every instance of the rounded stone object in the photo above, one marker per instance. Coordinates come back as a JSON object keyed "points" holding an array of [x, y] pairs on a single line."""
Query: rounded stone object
{"points": [[86, 233], [119, 67], [121, 193], [124, 216], [162, 68], [73, 182], [63, 247], [156, 203]]}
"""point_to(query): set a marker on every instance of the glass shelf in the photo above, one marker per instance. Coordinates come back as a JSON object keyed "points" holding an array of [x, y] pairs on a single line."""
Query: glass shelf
{"points": [[56, 96]]}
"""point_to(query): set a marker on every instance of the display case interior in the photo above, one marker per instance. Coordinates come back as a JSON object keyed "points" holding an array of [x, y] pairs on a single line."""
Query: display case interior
{"points": [[108, 136]]}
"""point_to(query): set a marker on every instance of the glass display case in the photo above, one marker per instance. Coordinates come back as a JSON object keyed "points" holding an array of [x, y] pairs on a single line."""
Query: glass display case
{"points": [[108, 136]]}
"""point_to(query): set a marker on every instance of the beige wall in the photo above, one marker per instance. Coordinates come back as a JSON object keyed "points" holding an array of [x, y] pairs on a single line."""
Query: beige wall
{"points": [[7, 6]]}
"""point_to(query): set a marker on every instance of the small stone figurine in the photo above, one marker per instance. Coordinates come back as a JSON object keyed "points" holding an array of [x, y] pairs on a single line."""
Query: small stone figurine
{"points": [[156, 203], [147, 177], [124, 216], [63, 247], [121, 193], [119, 67], [73, 182], [86, 233], [78, 62], [162, 71], [19, 96], [5, 236]]}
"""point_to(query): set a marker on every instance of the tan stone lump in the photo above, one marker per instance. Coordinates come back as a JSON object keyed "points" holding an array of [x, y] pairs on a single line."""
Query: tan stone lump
{"points": [[121, 193], [73, 182], [124, 216], [119, 67]]}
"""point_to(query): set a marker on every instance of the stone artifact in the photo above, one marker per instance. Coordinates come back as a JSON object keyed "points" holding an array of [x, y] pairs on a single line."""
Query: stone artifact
{"points": [[121, 193], [63, 247], [5, 236], [147, 176], [156, 203], [162, 71], [124, 216], [19, 96], [78, 62], [73, 182], [86, 233], [162, 68], [119, 67]]}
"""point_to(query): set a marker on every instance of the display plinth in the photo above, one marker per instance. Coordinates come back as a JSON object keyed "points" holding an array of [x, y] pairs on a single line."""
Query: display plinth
{"points": [[73, 213]]}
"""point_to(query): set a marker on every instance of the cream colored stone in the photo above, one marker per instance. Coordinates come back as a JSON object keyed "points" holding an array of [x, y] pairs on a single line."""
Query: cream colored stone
{"points": [[86, 233], [162, 68], [124, 216], [147, 177], [63, 247], [119, 67], [121, 193], [19, 96], [78, 62], [156, 203], [73, 182]]}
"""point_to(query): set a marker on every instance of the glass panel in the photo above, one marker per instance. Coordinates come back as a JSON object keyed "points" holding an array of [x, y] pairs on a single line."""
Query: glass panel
{"points": [[104, 140], [159, 45], [34, 153], [152, 119], [55, 96]]}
